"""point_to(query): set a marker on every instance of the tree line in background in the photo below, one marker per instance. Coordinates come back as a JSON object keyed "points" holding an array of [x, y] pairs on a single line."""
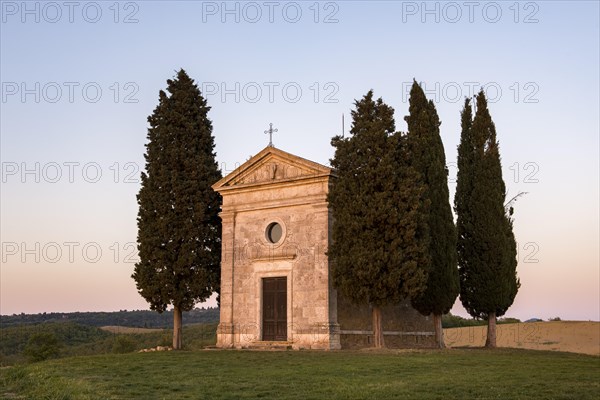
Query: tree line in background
{"points": [[394, 235], [133, 318]]}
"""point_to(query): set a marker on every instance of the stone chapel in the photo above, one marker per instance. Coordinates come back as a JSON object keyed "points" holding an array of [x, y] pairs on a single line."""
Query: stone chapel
{"points": [[276, 288]]}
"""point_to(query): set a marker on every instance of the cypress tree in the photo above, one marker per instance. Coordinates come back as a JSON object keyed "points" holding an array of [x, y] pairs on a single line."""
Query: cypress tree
{"points": [[376, 200], [179, 231], [487, 252], [428, 158]]}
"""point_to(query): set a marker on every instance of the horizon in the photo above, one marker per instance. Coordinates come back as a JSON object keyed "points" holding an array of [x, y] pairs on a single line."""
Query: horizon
{"points": [[79, 81], [500, 319]]}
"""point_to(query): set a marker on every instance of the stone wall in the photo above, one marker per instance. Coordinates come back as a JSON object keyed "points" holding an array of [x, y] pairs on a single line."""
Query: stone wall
{"points": [[403, 326]]}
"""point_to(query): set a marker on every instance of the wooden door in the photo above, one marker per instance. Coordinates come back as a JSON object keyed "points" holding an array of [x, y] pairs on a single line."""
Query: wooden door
{"points": [[274, 309]]}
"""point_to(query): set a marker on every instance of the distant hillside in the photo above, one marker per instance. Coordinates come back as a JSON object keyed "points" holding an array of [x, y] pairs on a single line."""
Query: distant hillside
{"points": [[78, 340], [136, 318], [572, 336], [129, 330]]}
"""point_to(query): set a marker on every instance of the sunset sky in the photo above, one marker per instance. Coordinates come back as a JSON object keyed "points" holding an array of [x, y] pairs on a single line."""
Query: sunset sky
{"points": [[79, 81]]}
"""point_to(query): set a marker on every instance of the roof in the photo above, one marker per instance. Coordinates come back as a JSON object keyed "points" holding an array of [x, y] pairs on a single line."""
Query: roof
{"points": [[272, 165]]}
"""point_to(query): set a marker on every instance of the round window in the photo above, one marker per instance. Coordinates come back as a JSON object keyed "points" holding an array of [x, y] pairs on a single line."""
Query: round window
{"points": [[274, 232]]}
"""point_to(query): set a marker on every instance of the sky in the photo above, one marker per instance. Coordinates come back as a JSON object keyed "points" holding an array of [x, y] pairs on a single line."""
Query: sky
{"points": [[79, 80]]}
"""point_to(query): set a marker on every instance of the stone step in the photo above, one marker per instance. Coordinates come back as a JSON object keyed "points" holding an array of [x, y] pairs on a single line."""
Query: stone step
{"points": [[270, 345]]}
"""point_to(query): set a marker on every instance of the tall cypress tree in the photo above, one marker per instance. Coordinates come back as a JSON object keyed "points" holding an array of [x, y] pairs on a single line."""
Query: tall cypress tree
{"points": [[428, 158], [487, 252], [179, 231], [378, 250]]}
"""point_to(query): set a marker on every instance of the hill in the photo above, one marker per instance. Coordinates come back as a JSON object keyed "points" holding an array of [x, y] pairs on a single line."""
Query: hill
{"points": [[78, 340], [136, 318]]}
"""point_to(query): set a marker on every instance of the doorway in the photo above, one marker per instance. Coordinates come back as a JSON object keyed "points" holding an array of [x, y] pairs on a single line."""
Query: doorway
{"points": [[274, 318]]}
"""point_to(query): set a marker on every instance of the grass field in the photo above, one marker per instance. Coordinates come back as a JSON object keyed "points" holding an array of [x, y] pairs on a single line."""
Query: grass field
{"points": [[449, 374], [129, 330]]}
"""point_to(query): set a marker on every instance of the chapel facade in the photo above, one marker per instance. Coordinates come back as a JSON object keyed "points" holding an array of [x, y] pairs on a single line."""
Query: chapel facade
{"points": [[276, 287]]}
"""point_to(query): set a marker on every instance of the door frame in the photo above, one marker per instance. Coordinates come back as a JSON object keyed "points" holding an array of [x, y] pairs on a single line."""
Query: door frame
{"points": [[284, 270]]}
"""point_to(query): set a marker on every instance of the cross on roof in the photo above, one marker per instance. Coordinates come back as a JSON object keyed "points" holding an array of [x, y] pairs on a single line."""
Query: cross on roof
{"points": [[271, 131]]}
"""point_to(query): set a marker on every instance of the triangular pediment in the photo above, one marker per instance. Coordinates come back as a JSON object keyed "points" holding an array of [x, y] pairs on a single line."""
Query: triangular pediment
{"points": [[272, 165]]}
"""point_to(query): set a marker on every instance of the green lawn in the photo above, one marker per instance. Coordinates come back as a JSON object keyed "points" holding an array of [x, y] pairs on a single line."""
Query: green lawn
{"points": [[451, 374]]}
